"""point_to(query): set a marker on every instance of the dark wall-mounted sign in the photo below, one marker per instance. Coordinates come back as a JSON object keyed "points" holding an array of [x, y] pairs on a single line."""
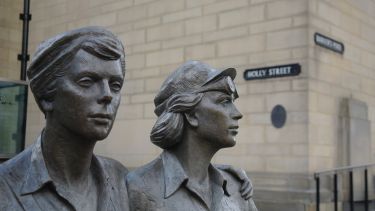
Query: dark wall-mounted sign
{"points": [[329, 43], [278, 116], [272, 72]]}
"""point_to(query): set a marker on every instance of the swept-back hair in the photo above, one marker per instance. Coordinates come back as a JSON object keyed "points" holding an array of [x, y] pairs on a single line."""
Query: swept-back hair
{"points": [[179, 94], [169, 126]]}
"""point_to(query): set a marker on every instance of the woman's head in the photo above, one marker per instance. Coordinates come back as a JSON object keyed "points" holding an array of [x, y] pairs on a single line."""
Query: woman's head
{"points": [[54, 55], [180, 93]]}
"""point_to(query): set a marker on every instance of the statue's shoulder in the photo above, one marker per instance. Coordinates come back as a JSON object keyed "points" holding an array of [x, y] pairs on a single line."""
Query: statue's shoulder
{"points": [[233, 185], [12, 174], [145, 186], [233, 182], [16, 166], [146, 175], [112, 165], [234, 175]]}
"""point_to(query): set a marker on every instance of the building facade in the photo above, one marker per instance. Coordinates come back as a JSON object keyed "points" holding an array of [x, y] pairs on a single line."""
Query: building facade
{"points": [[330, 105]]}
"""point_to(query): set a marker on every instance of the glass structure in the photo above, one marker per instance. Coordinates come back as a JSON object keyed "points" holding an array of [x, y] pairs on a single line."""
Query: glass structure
{"points": [[13, 102]]}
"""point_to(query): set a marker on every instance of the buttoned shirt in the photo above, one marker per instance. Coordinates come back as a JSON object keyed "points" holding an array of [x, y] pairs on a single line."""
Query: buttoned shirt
{"points": [[26, 185], [163, 185]]}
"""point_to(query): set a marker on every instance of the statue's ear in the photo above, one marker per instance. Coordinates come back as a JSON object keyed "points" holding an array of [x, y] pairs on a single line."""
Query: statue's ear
{"points": [[47, 105], [191, 118]]}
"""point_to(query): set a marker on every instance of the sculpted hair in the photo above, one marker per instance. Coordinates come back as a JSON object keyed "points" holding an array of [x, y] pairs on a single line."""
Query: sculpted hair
{"points": [[170, 125], [54, 55]]}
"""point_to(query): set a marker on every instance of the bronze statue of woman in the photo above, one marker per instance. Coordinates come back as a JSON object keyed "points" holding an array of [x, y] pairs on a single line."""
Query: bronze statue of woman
{"points": [[76, 78], [196, 118]]}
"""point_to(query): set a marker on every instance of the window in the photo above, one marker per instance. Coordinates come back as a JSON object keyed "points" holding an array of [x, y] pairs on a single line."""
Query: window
{"points": [[13, 102]]}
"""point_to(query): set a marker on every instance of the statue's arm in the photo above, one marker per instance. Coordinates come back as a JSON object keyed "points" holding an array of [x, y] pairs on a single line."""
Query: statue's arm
{"points": [[252, 206], [246, 189]]}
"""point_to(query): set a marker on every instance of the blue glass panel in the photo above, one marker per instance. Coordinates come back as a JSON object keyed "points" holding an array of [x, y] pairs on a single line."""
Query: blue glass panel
{"points": [[13, 102]]}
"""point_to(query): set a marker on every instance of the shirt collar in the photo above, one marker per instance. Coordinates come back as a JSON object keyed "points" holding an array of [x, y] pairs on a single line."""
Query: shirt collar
{"points": [[175, 175], [220, 179], [37, 175]]}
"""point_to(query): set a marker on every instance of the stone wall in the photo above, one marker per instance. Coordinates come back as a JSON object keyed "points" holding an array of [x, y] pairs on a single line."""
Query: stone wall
{"points": [[10, 38], [160, 35], [333, 77]]}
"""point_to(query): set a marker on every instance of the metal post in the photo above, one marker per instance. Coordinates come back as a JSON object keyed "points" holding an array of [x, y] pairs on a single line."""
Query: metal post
{"points": [[317, 192], [24, 57], [20, 135], [335, 191], [351, 190], [366, 190]]}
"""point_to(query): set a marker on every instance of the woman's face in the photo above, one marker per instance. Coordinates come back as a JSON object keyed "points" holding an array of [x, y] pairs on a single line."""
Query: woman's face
{"points": [[87, 96], [217, 119]]}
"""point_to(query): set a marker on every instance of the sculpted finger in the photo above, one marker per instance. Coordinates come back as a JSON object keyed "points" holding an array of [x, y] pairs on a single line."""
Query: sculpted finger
{"points": [[247, 193], [244, 186]]}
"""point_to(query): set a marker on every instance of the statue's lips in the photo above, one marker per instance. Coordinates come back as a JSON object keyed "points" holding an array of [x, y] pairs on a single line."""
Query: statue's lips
{"points": [[101, 118], [233, 130]]}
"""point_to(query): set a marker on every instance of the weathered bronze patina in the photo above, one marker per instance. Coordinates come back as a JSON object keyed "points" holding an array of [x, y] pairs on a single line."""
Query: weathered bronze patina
{"points": [[76, 78], [196, 118]]}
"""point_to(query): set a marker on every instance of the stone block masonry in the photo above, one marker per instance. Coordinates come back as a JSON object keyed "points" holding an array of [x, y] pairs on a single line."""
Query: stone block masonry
{"points": [[245, 34]]}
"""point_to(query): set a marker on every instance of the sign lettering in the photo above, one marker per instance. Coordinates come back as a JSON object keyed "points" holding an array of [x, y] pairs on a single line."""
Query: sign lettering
{"points": [[329, 43], [272, 72]]}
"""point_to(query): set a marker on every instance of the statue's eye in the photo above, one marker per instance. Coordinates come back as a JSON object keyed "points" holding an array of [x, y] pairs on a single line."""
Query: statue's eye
{"points": [[85, 81], [116, 86], [225, 100]]}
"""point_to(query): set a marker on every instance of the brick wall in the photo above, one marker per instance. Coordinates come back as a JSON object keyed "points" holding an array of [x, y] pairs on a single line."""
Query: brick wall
{"points": [[334, 77], [10, 38], [160, 35]]}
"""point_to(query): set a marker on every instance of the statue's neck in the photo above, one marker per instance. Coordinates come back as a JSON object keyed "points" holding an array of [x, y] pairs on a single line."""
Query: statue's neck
{"points": [[195, 156], [68, 157]]}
